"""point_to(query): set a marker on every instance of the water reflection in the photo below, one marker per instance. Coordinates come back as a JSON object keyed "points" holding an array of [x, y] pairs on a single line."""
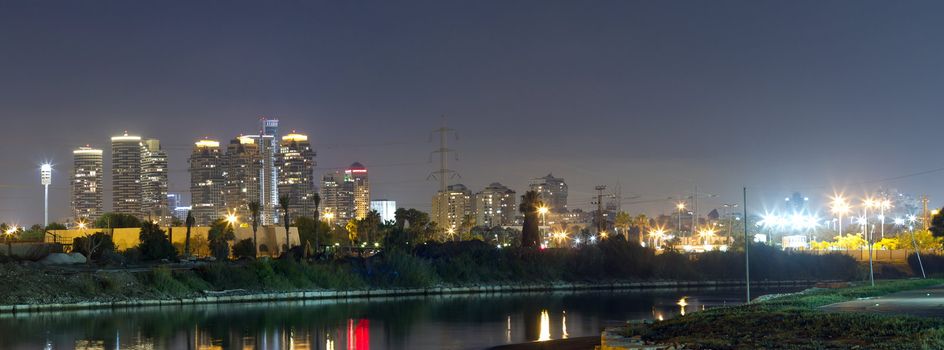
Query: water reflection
{"points": [[440, 322]]}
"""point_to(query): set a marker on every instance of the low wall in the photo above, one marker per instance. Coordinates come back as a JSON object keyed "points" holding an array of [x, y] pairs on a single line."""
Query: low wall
{"points": [[369, 293], [881, 255]]}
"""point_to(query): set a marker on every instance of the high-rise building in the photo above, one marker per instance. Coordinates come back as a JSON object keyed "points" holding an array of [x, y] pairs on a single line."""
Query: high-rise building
{"points": [[154, 181], [452, 206], [296, 164], [495, 206], [553, 191], [337, 203], [241, 168], [206, 182], [386, 208], [268, 143], [355, 181], [126, 174], [86, 184]]}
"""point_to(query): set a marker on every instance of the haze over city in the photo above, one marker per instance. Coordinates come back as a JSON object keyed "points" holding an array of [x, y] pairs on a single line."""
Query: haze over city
{"points": [[782, 97]]}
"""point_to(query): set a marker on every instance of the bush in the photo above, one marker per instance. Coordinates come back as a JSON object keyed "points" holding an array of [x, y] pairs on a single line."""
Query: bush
{"points": [[94, 246], [163, 280], [154, 244], [244, 249]]}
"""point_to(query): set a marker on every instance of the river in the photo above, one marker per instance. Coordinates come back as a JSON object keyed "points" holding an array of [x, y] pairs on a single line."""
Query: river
{"points": [[472, 321]]}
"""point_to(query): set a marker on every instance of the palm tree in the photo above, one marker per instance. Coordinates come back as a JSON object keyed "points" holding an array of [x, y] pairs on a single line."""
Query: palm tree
{"points": [[254, 212], [642, 224], [317, 214], [190, 221], [530, 202], [623, 222], [284, 203]]}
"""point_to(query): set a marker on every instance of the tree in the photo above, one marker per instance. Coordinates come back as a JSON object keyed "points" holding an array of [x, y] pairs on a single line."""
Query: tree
{"points": [[530, 235], [284, 204], [93, 246], [55, 226], [351, 228], [641, 225], [244, 249], [190, 222], [468, 222], [153, 243], [117, 220], [369, 225], [254, 213], [623, 222], [937, 224], [317, 216], [221, 232]]}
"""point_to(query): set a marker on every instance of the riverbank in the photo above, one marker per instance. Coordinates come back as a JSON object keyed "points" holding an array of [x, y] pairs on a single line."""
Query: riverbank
{"points": [[795, 321], [241, 296]]}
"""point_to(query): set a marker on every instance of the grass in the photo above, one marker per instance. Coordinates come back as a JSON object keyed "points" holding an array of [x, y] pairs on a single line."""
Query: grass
{"points": [[793, 322]]}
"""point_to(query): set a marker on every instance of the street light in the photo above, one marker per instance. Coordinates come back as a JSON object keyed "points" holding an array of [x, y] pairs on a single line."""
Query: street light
{"points": [[706, 233], [882, 205], [328, 216], [911, 221], [45, 178], [866, 204], [656, 236], [232, 219], [680, 206], [543, 211], [840, 208]]}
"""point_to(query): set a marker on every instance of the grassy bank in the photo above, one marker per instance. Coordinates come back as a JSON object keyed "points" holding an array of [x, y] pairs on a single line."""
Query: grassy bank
{"points": [[428, 265], [793, 322]]}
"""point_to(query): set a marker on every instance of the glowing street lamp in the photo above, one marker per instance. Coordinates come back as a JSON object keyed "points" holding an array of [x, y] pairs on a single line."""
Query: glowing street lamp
{"points": [[328, 217], [840, 208], [882, 205], [680, 206], [232, 219], [706, 233], [45, 178], [543, 211], [656, 236]]}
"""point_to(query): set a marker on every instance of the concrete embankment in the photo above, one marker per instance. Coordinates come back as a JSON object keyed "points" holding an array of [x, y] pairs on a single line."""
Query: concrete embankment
{"points": [[217, 297]]}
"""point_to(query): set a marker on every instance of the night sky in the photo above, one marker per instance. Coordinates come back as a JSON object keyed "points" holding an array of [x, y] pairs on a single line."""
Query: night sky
{"points": [[779, 96]]}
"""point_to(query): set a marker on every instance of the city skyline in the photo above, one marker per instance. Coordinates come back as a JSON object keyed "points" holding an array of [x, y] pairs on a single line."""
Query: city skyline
{"points": [[658, 107]]}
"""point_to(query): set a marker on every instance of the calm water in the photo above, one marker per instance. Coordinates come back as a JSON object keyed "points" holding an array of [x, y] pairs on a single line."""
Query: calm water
{"points": [[437, 322]]}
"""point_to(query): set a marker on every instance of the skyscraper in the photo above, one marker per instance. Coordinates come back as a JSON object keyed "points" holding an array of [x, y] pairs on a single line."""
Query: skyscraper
{"points": [[154, 181], [355, 181], [86, 184], [296, 165], [337, 204], [126, 174], [452, 206], [495, 206], [553, 191], [206, 182], [241, 167], [268, 171]]}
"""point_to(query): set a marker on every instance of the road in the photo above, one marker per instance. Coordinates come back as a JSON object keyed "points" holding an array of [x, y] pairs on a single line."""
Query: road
{"points": [[927, 302]]}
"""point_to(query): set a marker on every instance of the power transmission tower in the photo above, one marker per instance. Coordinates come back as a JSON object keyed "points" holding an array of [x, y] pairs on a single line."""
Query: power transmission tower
{"points": [[601, 223], [444, 172]]}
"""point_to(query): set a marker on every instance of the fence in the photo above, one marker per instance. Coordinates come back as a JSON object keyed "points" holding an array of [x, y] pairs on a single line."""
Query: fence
{"points": [[882, 255]]}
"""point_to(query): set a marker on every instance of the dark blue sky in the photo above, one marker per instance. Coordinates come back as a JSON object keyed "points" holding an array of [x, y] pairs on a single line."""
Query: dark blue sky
{"points": [[656, 95]]}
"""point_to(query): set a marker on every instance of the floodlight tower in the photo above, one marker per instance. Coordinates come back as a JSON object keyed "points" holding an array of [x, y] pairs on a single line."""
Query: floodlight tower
{"points": [[45, 178]]}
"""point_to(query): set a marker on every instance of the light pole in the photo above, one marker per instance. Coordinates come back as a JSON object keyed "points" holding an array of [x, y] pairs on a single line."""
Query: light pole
{"points": [[680, 206], [882, 204], [328, 216], [868, 203], [839, 207], [543, 211], [911, 222], [45, 178]]}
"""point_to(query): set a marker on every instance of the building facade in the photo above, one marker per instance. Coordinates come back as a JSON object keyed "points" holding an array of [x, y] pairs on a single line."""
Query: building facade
{"points": [[268, 145], [337, 202], [356, 182], [296, 165], [126, 174], [386, 208], [86, 184], [242, 166], [553, 191], [495, 206], [206, 182], [154, 182], [451, 207]]}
